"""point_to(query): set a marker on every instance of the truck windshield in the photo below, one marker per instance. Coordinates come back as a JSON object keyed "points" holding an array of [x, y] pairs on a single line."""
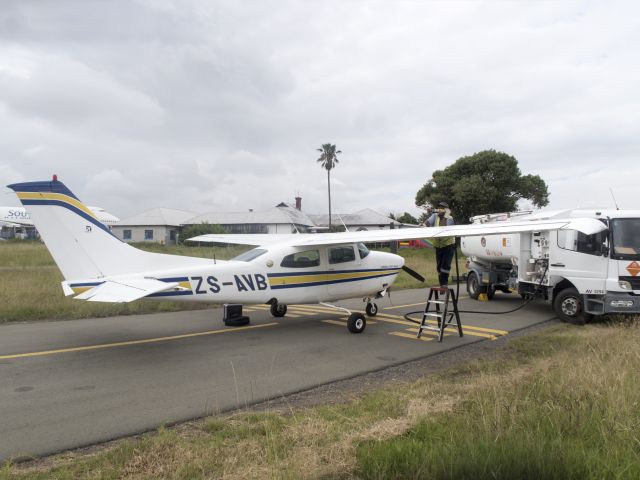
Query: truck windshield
{"points": [[626, 238]]}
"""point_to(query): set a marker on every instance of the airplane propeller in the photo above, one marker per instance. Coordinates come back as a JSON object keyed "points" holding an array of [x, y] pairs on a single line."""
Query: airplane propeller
{"points": [[413, 273]]}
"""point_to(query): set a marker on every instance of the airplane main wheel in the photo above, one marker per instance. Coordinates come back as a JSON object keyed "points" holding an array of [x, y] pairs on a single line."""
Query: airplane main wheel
{"points": [[371, 309], [356, 323], [278, 309]]}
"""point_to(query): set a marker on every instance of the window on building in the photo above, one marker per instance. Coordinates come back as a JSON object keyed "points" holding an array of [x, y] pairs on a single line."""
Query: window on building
{"points": [[308, 258], [126, 234], [148, 234], [341, 255]]}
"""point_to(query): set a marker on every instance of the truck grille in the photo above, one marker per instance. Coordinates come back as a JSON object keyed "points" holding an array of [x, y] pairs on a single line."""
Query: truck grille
{"points": [[634, 281]]}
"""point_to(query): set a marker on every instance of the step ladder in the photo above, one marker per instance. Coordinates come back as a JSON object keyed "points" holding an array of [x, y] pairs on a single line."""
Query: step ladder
{"points": [[445, 297]]}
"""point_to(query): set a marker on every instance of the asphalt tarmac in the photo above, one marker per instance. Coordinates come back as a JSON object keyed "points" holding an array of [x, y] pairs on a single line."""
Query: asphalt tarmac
{"points": [[67, 384]]}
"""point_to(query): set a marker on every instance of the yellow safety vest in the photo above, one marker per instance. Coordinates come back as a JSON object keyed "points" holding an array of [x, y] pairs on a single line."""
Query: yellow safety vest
{"points": [[441, 242]]}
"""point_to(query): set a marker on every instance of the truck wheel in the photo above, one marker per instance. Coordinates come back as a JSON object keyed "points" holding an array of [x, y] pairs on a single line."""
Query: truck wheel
{"points": [[278, 309], [568, 306], [473, 285]]}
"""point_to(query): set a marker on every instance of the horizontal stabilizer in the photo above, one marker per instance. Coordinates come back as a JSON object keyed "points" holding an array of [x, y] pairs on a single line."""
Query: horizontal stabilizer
{"points": [[125, 290]]}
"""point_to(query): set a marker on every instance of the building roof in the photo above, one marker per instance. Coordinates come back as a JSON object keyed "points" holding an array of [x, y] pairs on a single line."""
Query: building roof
{"points": [[277, 215], [157, 216], [363, 217]]}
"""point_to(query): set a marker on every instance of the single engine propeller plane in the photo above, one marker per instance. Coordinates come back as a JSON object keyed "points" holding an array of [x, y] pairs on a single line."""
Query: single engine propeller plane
{"points": [[283, 269]]}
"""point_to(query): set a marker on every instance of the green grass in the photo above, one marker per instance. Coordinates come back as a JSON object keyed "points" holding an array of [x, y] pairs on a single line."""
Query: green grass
{"points": [[564, 403], [577, 417], [30, 282]]}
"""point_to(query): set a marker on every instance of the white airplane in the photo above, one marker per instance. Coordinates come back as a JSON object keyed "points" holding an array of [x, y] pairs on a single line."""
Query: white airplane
{"points": [[284, 269], [19, 217]]}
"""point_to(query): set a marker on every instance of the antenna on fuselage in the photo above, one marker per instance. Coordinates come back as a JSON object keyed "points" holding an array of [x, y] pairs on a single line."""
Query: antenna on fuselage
{"points": [[614, 199], [343, 224]]}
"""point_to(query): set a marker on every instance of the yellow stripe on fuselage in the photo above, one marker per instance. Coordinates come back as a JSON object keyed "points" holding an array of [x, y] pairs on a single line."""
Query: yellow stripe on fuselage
{"points": [[328, 277], [58, 197]]}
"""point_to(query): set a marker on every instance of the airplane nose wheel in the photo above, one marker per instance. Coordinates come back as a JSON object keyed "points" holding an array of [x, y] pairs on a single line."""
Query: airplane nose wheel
{"points": [[371, 309], [356, 323], [278, 309]]}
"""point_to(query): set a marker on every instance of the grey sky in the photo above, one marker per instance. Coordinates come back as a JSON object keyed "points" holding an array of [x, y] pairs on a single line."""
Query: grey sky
{"points": [[214, 105]]}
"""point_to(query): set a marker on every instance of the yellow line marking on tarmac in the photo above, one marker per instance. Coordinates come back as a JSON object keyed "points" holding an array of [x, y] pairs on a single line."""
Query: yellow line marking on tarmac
{"points": [[336, 322], [317, 308], [411, 336], [465, 327], [428, 332], [262, 308], [466, 332], [343, 322], [462, 297], [133, 342]]}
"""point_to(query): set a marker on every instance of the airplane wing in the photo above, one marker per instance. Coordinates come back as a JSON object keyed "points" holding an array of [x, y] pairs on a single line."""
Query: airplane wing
{"points": [[247, 239], [126, 290], [587, 226]]}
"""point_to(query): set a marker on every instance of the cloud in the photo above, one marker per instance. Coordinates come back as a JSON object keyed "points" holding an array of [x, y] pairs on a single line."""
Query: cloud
{"points": [[221, 105]]}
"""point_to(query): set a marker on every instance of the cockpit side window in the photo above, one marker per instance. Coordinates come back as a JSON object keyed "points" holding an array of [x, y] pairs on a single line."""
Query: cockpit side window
{"points": [[341, 255], [363, 250], [308, 258]]}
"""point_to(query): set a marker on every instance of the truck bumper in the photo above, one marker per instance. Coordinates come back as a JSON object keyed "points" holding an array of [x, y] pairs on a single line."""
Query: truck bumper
{"points": [[613, 303]]}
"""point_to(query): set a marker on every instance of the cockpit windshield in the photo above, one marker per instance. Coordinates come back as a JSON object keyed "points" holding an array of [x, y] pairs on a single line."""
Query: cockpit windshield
{"points": [[250, 255], [626, 238]]}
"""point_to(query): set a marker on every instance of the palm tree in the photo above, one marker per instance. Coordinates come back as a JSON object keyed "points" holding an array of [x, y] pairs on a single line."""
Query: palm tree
{"points": [[328, 160]]}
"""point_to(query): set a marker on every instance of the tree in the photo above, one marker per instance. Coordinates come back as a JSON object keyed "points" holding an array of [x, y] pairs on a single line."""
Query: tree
{"points": [[328, 160], [406, 217], [201, 229], [485, 182]]}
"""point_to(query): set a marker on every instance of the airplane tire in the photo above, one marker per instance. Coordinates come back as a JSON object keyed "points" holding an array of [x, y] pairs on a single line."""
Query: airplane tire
{"points": [[237, 321], [356, 323], [278, 309], [371, 309]]}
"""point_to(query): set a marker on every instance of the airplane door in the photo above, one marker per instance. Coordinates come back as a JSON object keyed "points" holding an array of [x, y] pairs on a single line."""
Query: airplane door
{"points": [[343, 262]]}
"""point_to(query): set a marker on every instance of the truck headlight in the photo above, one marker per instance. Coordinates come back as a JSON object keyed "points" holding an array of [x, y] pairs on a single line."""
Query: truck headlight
{"points": [[623, 284]]}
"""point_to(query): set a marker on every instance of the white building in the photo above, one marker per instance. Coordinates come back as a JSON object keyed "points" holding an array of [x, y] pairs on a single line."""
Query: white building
{"points": [[280, 219], [160, 225], [366, 219]]}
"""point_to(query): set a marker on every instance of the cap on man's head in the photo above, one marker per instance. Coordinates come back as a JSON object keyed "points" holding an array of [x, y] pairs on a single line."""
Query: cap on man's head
{"points": [[443, 204]]}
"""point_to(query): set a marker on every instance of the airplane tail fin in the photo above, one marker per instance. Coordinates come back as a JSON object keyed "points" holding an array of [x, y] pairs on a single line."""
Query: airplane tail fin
{"points": [[80, 244]]}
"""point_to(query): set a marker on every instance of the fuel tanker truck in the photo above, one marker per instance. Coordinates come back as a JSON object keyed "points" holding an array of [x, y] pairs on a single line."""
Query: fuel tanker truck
{"points": [[580, 275]]}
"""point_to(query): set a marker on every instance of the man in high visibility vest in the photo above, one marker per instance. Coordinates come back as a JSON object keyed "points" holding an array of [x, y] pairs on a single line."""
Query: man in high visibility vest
{"points": [[445, 246]]}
